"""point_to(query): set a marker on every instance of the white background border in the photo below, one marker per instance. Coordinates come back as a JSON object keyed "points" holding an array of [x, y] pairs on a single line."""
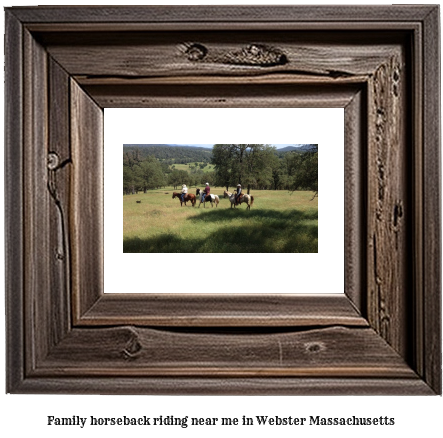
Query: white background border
{"points": [[322, 272]]}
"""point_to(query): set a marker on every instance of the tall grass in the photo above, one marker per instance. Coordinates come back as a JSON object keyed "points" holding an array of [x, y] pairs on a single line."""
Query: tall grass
{"points": [[277, 222]]}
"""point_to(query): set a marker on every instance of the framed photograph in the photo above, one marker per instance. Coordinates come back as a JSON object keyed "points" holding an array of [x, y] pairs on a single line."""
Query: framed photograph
{"points": [[376, 332]]}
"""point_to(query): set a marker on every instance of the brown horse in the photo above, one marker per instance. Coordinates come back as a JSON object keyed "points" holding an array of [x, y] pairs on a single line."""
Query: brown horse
{"points": [[188, 197]]}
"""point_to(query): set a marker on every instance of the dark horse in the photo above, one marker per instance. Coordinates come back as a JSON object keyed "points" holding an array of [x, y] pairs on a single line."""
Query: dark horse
{"points": [[188, 197]]}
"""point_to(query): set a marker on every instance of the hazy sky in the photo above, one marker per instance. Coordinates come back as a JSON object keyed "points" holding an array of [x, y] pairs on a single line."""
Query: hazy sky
{"points": [[278, 146]]}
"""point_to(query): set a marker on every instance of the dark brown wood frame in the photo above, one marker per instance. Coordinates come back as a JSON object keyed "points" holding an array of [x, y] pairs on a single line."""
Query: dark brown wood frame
{"points": [[64, 65]]}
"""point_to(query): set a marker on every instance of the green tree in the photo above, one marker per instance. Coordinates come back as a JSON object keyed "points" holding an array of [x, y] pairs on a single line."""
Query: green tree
{"points": [[222, 159], [208, 177], [151, 173], [132, 179], [174, 178], [179, 177], [258, 165], [303, 171], [278, 170], [128, 181], [246, 164]]}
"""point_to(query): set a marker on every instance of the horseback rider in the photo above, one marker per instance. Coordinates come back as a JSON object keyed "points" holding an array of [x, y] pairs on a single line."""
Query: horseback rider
{"points": [[184, 192], [206, 192], [238, 195]]}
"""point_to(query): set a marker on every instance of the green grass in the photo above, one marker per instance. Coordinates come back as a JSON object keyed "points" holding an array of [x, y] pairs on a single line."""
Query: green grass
{"points": [[277, 222], [208, 168]]}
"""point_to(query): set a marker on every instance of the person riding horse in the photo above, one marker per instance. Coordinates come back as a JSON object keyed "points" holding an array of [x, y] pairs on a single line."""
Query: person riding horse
{"points": [[184, 192], [206, 192], [238, 195]]}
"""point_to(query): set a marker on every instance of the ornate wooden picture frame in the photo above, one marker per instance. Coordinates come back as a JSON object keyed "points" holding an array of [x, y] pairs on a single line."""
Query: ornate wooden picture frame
{"points": [[64, 65]]}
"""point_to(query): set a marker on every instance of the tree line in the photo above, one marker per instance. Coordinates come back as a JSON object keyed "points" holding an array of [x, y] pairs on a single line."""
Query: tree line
{"points": [[260, 166], [171, 154], [254, 166], [141, 173]]}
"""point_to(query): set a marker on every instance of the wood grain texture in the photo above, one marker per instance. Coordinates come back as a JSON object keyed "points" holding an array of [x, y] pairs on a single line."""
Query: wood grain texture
{"points": [[431, 321], [226, 14], [129, 351], [166, 54], [174, 385], [59, 182], [74, 61], [232, 95], [239, 310], [388, 204], [14, 203], [86, 209], [417, 203], [38, 305], [355, 195]]}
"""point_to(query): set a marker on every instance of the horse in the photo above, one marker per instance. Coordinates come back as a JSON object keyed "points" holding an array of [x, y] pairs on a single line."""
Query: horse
{"points": [[209, 198], [249, 199], [188, 197]]}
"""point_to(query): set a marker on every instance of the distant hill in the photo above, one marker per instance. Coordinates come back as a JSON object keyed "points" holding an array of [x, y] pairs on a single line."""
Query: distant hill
{"points": [[298, 148], [166, 146], [171, 154], [183, 154], [189, 146]]}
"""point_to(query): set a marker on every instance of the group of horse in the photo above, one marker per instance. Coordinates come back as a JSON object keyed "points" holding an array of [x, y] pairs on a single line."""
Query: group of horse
{"points": [[213, 199]]}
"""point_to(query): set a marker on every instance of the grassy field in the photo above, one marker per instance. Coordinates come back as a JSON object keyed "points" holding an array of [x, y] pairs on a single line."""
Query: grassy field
{"points": [[277, 222], [208, 168]]}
